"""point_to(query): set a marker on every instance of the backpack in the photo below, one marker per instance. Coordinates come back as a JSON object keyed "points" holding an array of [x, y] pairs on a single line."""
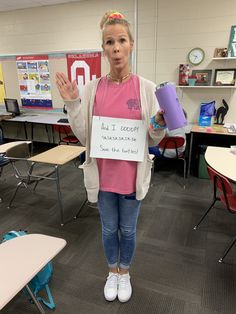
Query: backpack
{"points": [[41, 280]]}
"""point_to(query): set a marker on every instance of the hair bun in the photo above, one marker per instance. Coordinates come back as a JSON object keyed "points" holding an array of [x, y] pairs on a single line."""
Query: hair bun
{"points": [[116, 16], [111, 15]]}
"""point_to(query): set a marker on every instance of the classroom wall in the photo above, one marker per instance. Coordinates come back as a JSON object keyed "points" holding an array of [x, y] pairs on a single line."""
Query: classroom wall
{"points": [[166, 31], [183, 25], [67, 28]]}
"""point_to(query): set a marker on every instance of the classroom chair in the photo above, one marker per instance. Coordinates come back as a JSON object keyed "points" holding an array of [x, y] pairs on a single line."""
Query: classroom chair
{"points": [[222, 191], [172, 142], [26, 172], [65, 134]]}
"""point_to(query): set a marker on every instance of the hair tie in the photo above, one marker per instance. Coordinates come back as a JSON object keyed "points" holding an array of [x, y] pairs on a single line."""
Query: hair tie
{"points": [[116, 16]]}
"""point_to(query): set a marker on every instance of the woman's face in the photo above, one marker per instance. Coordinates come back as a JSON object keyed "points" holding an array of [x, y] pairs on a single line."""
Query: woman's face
{"points": [[117, 47]]}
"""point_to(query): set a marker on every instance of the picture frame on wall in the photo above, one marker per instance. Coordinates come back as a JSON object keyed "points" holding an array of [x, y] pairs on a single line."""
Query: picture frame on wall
{"points": [[224, 77], [232, 42], [220, 52], [203, 77], [184, 70]]}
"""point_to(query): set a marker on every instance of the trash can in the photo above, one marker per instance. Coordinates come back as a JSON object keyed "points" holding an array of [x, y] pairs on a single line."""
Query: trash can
{"points": [[202, 166]]}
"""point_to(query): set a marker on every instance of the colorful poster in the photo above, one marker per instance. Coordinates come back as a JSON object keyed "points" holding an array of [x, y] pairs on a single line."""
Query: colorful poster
{"points": [[34, 81], [83, 67], [2, 87]]}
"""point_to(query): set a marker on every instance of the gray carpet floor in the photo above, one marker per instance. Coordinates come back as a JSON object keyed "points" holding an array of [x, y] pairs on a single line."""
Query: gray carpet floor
{"points": [[175, 269]]}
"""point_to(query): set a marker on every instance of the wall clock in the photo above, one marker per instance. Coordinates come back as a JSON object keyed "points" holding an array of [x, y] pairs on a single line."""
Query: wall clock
{"points": [[196, 56]]}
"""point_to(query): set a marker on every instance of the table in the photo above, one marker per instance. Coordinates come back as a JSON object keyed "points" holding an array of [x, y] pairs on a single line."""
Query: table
{"points": [[208, 132], [49, 119], [21, 259], [46, 119], [59, 156], [222, 160]]}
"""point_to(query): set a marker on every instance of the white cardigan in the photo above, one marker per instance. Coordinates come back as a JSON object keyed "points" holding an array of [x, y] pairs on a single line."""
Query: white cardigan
{"points": [[80, 118]]}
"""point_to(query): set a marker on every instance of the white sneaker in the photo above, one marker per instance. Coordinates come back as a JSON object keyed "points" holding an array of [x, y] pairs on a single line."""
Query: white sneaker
{"points": [[110, 289], [124, 288]]}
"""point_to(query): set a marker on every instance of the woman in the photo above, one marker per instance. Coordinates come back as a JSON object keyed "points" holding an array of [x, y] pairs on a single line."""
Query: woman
{"points": [[117, 185]]}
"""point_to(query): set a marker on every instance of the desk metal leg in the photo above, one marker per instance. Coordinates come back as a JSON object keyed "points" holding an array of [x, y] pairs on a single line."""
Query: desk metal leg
{"points": [[46, 127], [32, 132], [59, 194], [37, 303], [80, 208], [53, 137], [190, 153], [32, 138], [25, 129]]}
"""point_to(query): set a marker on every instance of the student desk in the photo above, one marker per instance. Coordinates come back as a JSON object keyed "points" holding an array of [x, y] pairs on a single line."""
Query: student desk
{"points": [[21, 259], [214, 135], [59, 156], [222, 160]]}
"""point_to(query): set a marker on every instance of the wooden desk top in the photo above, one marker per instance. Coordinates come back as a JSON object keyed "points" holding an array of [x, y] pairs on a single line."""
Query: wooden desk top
{"points": [[5, 147], [222, 160], [59, 155], [22, 258], [214, 129]]}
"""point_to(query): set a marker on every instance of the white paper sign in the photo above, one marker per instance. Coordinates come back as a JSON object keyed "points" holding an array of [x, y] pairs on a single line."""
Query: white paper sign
{"points": [[115, 138]]}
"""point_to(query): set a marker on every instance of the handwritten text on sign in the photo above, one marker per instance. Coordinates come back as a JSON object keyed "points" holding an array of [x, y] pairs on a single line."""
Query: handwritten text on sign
{"points": [[115, 138]]}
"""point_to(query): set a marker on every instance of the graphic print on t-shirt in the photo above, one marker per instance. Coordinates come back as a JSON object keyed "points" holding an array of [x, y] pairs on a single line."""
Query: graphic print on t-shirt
{"points": [[133, 104]]}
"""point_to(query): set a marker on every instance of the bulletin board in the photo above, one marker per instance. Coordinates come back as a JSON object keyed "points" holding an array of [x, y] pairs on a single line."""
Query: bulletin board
{"points": [[57, 63], [34, 81]]}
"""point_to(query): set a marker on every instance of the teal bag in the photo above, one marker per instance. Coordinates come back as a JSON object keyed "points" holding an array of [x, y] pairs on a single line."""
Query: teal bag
{"points": [[41, 280]]}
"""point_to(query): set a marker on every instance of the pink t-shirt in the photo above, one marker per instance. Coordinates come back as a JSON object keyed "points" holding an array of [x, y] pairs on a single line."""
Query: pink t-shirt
{"points": [[117, 101]]}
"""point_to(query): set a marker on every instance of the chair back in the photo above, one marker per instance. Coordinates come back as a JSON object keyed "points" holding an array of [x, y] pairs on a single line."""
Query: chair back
{"points": [[171, 142], [65, 134], [18, 151], [62, 129], [221, 183]]}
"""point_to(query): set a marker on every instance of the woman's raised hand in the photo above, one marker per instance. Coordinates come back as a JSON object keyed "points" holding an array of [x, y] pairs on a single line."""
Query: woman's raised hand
{"points": [[67, 90]]}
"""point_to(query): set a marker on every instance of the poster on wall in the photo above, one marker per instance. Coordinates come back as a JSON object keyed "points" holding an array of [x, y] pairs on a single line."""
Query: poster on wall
{"points": [[34, 81], [2, 87], [83, 67]]}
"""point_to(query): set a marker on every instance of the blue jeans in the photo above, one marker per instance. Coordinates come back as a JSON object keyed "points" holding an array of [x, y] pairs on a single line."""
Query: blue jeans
{"points": [[119, 215]]}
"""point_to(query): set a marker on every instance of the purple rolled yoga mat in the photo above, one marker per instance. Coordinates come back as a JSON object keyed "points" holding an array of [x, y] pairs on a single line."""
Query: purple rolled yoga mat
{"points": [[169, 102]]}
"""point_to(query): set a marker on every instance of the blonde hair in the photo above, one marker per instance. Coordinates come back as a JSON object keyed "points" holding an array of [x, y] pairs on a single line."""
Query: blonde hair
{"points": [[113, 17]]}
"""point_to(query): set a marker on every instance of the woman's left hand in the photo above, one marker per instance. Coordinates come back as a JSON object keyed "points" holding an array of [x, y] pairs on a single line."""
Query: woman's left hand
{"points": [[159, 118]]}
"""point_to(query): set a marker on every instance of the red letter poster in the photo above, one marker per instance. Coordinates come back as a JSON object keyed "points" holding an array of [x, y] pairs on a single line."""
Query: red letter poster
{"points": [[84, 67]]}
